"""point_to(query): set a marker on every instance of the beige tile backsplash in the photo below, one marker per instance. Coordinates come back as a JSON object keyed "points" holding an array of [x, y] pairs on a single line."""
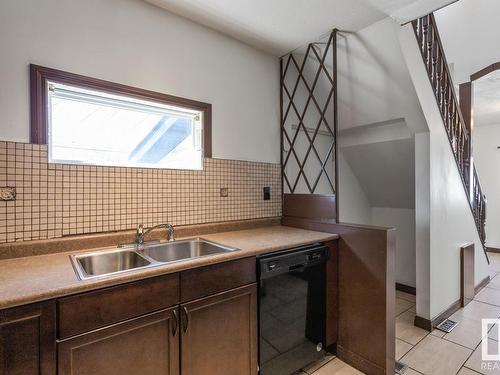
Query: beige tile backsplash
{"points": [[54, 200]]}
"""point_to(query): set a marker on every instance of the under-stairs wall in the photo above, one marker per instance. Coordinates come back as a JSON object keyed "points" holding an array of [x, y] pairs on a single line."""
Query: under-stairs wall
{"points": [[440, 198]]}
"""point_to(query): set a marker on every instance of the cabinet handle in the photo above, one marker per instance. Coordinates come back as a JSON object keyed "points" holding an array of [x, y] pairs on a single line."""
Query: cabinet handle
{"points": [[175, 323], [186, 318]]}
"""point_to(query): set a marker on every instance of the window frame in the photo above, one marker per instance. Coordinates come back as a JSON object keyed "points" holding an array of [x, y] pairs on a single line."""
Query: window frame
{"points": [[40, 77]]}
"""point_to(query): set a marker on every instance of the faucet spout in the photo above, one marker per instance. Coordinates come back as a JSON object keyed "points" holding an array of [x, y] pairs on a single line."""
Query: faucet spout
{"points": [[141, 234]]}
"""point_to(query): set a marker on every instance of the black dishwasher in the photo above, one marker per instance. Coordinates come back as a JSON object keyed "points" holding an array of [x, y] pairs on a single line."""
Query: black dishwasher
{"points": [[292, 308]]}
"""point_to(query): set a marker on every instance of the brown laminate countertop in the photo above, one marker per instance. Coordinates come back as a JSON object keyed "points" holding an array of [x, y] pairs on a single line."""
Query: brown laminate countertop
{"points": [[37, 278]]}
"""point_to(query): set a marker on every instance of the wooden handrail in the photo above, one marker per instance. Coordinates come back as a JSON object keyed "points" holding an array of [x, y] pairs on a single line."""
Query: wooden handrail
{"points": [[440, 78]]}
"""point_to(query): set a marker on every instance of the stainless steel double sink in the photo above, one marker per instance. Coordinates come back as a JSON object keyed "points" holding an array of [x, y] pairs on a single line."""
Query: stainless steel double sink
{"points": [[111, 262]]}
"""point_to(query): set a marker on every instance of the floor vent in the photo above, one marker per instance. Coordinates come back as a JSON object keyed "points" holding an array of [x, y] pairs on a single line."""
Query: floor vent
{"points": [[400, 368], [447, 325]]}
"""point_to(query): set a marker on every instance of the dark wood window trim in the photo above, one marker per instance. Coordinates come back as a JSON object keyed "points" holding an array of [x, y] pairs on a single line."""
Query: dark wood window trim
{"points": [[39, 76], [485, 71]]}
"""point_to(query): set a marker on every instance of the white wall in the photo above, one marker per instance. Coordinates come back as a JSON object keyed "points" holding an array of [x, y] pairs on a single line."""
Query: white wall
{"points": [[470, 23], [374, 84], [378, 111], [487, 159], [451, 222], [138, 44], [385, 170], [354, 206], [423, 225], [403, 220]]}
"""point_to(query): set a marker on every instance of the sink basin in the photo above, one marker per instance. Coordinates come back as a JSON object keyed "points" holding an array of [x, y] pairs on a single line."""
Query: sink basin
{"points": [[184, 249], [97, 264], [111, 262]]}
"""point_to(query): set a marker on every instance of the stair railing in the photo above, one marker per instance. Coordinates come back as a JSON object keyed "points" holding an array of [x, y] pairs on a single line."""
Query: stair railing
{"points": [[479, 206], [440, 78]]}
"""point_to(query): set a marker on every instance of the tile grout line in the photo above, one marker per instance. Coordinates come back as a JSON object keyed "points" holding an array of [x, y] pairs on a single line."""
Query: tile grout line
{"points": [[409, 343], [486, 303], [408, 309], [463, 364], [468, 368], [413, 345], [477, 346]]}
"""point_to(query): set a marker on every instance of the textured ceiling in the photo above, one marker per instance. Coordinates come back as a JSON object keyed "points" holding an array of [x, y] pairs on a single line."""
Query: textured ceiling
{"points": [[487, 100], [279, 26]]}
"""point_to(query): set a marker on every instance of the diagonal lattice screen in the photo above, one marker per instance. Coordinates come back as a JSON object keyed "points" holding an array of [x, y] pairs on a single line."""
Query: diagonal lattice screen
{"points": [[309, 118]]}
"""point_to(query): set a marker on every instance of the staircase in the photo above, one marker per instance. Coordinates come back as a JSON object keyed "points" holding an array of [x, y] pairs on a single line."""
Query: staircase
{"points": [[459, 135]]}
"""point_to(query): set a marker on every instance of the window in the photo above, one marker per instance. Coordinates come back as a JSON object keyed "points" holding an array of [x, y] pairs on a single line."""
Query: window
{"points": [[93, 122]]}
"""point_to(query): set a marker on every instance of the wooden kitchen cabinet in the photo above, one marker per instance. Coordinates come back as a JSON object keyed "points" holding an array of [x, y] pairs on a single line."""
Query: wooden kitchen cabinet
{"points": [[201, 321], [219, 333], [86, 312], [27, 340], [148, 345]]}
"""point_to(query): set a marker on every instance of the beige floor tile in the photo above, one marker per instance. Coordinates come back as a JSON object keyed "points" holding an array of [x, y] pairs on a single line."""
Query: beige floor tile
{"points": [[411, 371], [494, 282], [489, 295], [466, 333], [337, 367], [406, 296], [402, 348], [477, 310], [493, 332], [467, 371], [402, 305], [406, 330], [315, 366], [484, 367], [436, 356], [438, 333], [494, 265], [494, 257]]}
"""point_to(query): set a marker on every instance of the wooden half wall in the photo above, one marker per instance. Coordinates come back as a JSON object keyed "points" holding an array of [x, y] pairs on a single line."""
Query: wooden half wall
{"points": [[366, 293]]}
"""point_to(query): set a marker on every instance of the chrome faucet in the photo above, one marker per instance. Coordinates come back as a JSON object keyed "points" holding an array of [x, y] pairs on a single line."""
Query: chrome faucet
{"points": [[141, 233]]}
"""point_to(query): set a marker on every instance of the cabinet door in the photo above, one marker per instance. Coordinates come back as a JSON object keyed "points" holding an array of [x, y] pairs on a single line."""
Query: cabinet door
{"points": [[148, 345], [27, 340], [219, 334]]}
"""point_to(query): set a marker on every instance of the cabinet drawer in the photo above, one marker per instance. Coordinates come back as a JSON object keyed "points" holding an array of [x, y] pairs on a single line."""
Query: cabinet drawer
{"points": [[204, 281], [85, 312]]}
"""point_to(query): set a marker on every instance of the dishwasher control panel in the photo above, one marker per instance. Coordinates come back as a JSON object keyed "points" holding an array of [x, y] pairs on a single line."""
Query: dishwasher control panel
{"points": [[292, 260], [273, 266]]}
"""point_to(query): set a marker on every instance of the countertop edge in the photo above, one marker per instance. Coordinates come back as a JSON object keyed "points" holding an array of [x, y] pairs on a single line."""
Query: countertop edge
{"points": [[110, 281]]}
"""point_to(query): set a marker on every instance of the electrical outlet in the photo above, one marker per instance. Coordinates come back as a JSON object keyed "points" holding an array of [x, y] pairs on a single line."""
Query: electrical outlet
{"points": [[7, 193], [224, 192], [267, 193]]}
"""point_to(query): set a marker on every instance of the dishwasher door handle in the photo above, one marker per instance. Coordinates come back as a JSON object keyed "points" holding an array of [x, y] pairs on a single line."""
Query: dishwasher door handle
{"points": [[297, 267]]}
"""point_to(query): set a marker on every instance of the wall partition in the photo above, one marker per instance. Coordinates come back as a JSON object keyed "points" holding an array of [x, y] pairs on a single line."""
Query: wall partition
{"points": [[309, 126], [310, 180]]}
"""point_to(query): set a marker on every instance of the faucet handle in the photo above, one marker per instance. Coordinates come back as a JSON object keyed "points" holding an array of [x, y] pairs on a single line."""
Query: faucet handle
{"points": [[140, 229], [171, 232]]}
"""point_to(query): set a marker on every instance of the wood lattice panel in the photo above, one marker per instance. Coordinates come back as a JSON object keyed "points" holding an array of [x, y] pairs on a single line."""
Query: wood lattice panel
{"points": [[309, 118]]}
